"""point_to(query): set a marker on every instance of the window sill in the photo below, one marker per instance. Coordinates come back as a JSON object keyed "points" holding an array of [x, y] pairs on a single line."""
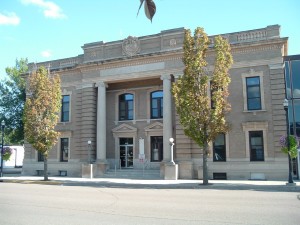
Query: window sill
{"points": [[255, 111], [64, 123], [135, 121]]}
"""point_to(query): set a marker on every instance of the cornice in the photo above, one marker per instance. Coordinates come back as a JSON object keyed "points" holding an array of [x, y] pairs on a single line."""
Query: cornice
{"points": [[131, 62]]}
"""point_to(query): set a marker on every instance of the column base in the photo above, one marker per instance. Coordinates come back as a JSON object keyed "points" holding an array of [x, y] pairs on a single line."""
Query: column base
{"points": [[100, 168], [171, 171], [87, 170]]}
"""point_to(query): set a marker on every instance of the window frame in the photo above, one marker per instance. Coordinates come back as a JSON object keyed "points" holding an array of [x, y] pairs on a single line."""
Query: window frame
{"points": [[224, 149], [254, 157], [126, 110], [40, 157], [61, 152], [160, 149], [256, 126], [62, 115], [159, 105], [250, 74], [248, 87]]}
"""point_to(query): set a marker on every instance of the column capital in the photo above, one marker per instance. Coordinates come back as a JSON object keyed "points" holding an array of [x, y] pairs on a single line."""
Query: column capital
{"points": [[177, 76], [101, 84], [165, 77]]}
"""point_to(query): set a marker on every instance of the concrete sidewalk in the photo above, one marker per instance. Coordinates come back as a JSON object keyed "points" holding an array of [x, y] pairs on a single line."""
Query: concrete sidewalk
{"points": [[158, 184]]}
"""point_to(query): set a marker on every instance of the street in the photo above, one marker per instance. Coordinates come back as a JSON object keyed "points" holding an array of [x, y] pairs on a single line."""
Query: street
{"points": [[80, 205]]}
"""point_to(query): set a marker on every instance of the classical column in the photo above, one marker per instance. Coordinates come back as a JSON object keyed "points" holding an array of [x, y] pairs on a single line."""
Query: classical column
{"points": [[167, 116], [101, 122]]}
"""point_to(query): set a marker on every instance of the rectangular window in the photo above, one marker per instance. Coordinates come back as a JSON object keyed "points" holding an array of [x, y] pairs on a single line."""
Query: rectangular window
{"points": [[212, 103], [156, 148], [64, 149], [256, 145], [253, 93], [219, 148], [157, 105], [126, 107], [65, 108], [40, 157]]}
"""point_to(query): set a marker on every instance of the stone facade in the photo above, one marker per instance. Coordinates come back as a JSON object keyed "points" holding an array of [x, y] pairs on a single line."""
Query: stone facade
{"points": [[116, 78]]}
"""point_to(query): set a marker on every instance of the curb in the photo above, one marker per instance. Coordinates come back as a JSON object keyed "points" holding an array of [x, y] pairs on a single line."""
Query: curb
{"points": [[49, 182]]}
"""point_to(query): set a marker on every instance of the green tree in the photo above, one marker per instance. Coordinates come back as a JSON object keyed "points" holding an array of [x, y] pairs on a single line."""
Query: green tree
{"points": [[12, 92], [42, 106], [200, 95]]}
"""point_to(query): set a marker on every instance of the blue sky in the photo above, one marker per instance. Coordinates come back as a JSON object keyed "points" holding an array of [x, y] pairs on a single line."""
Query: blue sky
{"points": [[43, 30]]}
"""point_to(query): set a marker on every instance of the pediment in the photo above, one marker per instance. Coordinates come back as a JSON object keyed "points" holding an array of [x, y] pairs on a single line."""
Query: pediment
{"points": [[157, 126], [124, 128]]}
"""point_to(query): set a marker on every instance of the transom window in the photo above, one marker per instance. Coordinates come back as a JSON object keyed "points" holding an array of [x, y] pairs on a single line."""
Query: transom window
{"points": [[256, 145], [253, 93], [126, 107], [65, 108], [157, 104]]}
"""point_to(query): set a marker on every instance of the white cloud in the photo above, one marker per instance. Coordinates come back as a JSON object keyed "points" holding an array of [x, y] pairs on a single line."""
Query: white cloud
{"points": [[46, 53], [9, 19], [50, 9]]}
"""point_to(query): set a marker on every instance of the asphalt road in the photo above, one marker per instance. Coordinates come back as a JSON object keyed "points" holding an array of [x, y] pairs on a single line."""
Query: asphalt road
{"points": [[23, 204]]}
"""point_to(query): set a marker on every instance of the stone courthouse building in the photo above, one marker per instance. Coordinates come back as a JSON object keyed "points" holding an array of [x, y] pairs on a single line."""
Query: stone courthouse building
{"points": [[118, 111]]}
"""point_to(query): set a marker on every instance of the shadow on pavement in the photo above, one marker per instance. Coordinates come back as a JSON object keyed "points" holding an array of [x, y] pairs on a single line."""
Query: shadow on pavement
{"points": [[200, 186], [266, 186]]}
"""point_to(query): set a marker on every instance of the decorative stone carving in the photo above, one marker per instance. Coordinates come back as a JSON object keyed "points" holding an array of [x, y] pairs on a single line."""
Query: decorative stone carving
{"points": [[93, 54], [131, 46], [173, 43], [251, 71]]}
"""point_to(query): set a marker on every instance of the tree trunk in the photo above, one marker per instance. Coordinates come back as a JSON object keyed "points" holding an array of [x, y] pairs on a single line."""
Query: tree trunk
{"points": [[45, 168], [205, 168]]}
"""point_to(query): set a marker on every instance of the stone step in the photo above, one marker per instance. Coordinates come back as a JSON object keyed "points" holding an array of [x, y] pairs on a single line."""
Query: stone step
{"points": [[133, 174]]}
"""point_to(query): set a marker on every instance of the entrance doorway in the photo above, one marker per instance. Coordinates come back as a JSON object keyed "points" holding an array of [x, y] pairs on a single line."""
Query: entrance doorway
{"points": [[126, 152]]}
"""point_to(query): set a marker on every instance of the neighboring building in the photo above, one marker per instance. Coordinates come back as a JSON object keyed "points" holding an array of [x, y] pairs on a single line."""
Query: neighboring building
{"points": [[292, 78], [117, 95]]}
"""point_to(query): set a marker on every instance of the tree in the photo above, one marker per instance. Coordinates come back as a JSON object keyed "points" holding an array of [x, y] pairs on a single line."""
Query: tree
{"points": [[42, 105], [12, 92], [150, 8], [202, 111], [289, 146]]}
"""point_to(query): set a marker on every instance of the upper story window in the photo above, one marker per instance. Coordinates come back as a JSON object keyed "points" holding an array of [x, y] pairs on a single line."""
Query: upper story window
{"points": [[126, 106], [157, 105], [65, 108], [253, 90], [253, 93]]}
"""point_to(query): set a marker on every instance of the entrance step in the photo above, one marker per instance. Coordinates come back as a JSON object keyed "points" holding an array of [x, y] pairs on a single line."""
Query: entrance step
{"points": [[133, 174]]}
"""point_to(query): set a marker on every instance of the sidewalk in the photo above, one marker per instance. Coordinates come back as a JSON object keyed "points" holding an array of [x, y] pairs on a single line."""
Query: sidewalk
{"points": [[157, 184]]}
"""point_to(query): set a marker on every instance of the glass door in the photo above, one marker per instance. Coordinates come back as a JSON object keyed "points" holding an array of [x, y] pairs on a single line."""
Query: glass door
{"points": [[126, 152]]}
